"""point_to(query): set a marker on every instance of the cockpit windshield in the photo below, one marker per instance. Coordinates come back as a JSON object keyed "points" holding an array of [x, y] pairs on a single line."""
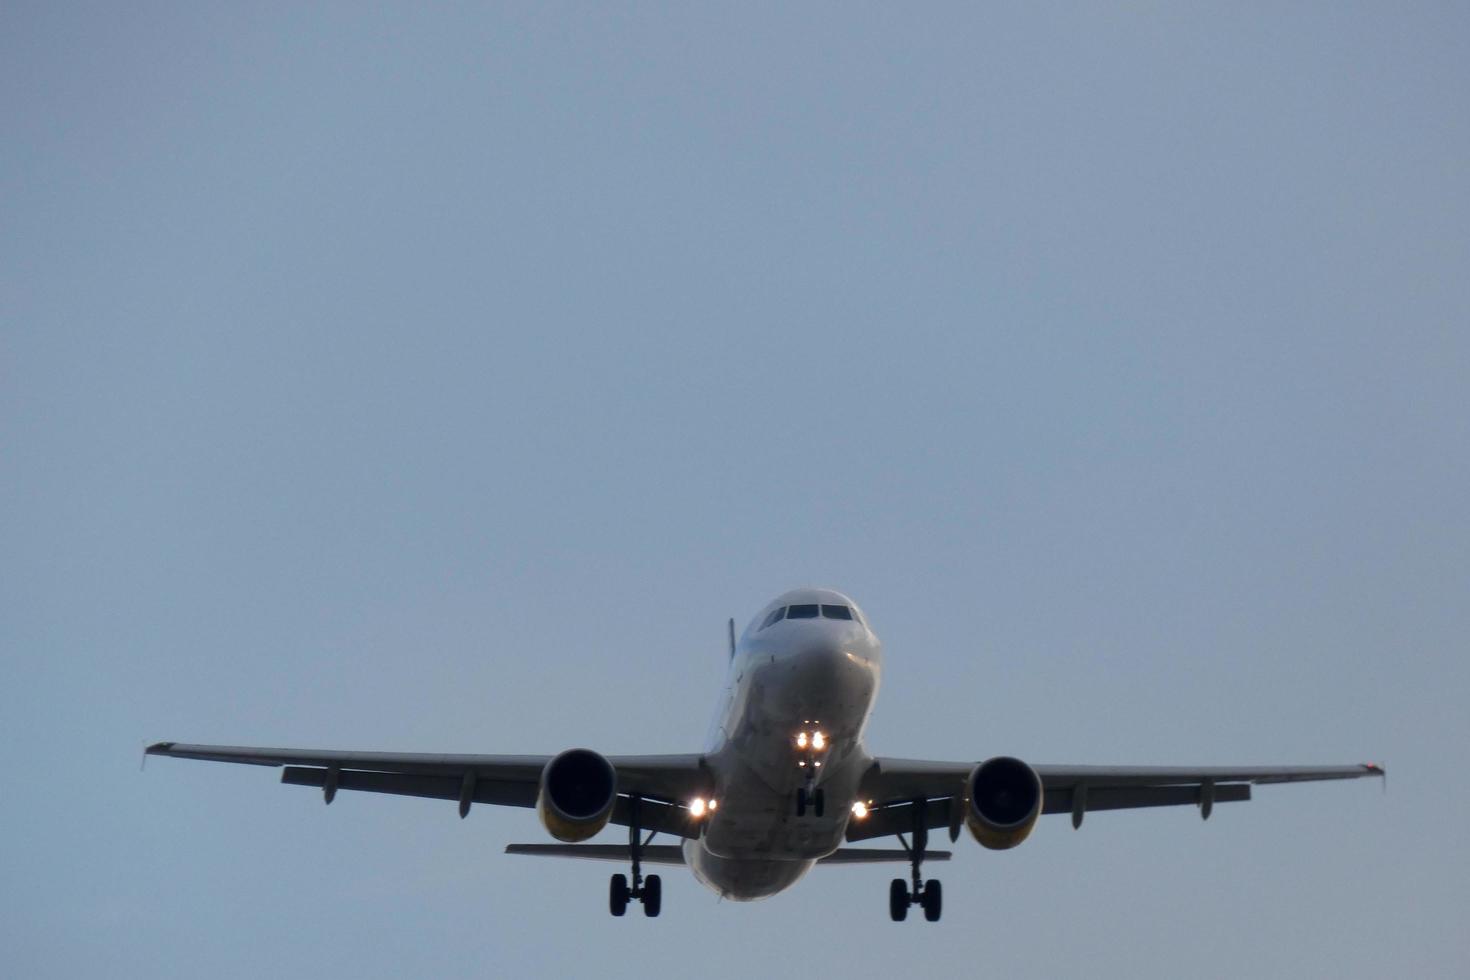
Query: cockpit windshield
{"points": [[808, 611]]}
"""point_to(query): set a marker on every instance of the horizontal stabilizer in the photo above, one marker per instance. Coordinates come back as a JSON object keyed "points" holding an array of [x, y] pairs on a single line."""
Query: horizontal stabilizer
{"points": [[878, 855], [674, 854], [652, 853]]}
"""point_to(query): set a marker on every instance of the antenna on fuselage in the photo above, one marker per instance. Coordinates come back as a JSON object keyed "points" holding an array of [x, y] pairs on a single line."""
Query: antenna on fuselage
{"points": [[732, 637]]}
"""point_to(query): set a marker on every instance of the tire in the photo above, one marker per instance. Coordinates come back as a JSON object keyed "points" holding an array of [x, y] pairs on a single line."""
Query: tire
{"points": [[818, 804], [933, 900], [898, 900], [801, 801], [653, 896], [617, 894]]}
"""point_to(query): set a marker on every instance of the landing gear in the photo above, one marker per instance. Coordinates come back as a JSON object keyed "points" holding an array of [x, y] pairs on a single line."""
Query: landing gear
{"points": [[653, 896], [618, 895], [649, 891], [933, 900], [811, 747], [930, 894], [810, 799]]}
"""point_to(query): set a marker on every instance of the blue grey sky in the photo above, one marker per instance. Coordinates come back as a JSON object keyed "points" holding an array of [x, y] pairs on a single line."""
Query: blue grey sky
{"points": [[440, 378]]}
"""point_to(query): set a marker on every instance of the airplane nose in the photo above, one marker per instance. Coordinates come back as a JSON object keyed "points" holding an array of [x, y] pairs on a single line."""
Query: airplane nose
{"points": [[823, 656], [832, 653], [831, 664]]}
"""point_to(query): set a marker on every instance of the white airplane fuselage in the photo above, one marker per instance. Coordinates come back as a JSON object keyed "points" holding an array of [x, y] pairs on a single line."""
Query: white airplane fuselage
{"points": [[787, 682]]}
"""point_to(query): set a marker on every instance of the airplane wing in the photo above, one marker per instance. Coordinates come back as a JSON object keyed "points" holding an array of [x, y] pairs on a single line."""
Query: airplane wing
{"points": [[897, 786], [662, 782]]}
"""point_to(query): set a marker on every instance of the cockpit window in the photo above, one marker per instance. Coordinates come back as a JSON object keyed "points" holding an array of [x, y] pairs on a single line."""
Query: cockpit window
{"points": [[836, 612], [802, 612], [774, 617]]}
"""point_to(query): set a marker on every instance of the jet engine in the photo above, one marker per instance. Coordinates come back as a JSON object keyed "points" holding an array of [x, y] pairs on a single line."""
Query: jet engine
{"points": [[1005, 797], [578, 790]]}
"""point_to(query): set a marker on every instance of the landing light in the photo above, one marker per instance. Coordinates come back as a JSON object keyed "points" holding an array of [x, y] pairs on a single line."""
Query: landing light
{"points": [[819, 741], [859, 810], [801, 740], [714, 805], [696, 808]]}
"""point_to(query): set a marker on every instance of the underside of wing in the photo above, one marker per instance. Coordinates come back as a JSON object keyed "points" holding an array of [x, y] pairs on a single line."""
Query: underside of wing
{"points": [[1065, 776], [662, 784], [902, 794]]}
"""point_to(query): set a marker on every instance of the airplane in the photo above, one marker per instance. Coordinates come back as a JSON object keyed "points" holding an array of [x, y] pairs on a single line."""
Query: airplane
{"points": [[784, 782]]}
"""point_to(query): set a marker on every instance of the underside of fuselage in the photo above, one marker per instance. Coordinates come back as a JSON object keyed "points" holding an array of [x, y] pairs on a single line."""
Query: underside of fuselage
{"points": [[742, 879]]}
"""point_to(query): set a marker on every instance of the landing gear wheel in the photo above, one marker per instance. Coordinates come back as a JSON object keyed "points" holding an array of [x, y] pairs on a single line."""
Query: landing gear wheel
{"points": [[653, 896], [933, 900], [818, 802], [801, 801], [617, 894], [898, 900]]}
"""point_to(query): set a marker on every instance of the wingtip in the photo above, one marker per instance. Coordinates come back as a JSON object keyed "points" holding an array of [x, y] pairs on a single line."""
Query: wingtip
{"points": [[1375, 769], [159, 748]]}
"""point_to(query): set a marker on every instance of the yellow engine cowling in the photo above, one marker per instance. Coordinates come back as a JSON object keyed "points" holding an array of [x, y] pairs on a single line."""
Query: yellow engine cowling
{"points": [[1003, 801], [578, 790]]}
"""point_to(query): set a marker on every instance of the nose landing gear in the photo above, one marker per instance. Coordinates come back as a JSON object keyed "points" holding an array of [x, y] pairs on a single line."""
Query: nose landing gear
{"points": [[810, 799], [811, 746], [649, 891], [930, 894]]}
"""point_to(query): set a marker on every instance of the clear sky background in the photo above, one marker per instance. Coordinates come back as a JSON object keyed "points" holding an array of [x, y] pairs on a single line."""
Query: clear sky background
{"points": [[441, 378]]}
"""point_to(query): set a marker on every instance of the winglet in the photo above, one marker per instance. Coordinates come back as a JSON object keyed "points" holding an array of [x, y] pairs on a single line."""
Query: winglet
{"points": [[1374, 769], [159, 748]]}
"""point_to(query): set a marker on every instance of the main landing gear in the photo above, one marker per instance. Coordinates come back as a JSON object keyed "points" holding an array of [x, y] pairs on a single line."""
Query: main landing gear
{"points": [[650, 890], [929, 895], [814, 800]]}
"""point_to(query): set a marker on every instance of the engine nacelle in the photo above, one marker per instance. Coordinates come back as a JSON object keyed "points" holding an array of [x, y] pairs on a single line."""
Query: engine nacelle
{"points": [[578, 790], [1004, 801]]}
